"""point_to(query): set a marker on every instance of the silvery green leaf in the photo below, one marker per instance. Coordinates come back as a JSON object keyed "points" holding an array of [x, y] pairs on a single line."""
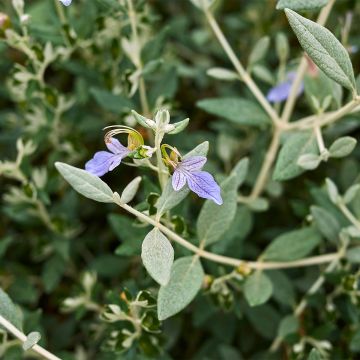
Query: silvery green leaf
{"points": [[264, 74], [86, 184], [237, 110], [169, 197], [143, 121], [31, 340], [353, 255], [309, 161], [342, 147], [324, 49], [297, 144], [289, 325], [353, 231], [332, 190], [258, 288], [259, 204], [130, 190], [9, 311], [222, 74], [292, 245], [315, 355], [326, 223], [202, 4], [282, 46], [259, 50], [351, 193], [179, 126], [301, 4], [185, 281], [157, 255], [214, 220], [240, 171]]}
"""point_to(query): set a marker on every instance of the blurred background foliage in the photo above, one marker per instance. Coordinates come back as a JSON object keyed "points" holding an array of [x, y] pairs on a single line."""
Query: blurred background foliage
{"points": [[71, 74]]}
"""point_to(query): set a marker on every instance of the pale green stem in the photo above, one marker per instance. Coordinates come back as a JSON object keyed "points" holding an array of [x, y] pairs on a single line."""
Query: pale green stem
{"points": [[162, 173], [22, 337]]}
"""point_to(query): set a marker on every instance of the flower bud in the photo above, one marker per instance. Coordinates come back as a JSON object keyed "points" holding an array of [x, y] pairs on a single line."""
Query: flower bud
{"points": [[162, 118]]}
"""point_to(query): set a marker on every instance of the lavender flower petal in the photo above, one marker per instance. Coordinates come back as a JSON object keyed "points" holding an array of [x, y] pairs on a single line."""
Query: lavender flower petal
{"points": [[116, 147], [102, 162], [279, 93], [178, 180], [203, 184], [66, 2], [193, 163]]}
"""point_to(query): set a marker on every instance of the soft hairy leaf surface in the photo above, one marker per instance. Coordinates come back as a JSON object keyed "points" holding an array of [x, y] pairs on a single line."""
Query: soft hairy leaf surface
{"points": [[323, 48], [9, 311], [258, 288], [130, 190], [326, 223], [85, 183], [157, 255], [297, 144], [301, 4], [214, 220], [292, 245], [185, 282]]}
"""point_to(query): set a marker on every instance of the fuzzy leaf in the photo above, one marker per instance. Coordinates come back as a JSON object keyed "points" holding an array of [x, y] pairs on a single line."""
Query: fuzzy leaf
{"points": [[257, 289], [157, 255], [296, 144], [301, 4], [292, 245], [324, 49], [85, 183], [32, 339], [185, 282], [342, 147], [222, 74], [326, 223], [179, 126], [9, 311], [289, 325], [130, 190]]}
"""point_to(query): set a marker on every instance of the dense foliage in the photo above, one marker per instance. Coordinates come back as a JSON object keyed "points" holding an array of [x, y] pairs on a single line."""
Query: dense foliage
{"points": [[232, 235]]}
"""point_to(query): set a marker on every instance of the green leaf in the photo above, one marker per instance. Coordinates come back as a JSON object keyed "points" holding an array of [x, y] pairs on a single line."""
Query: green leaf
{"points": [[259, 50], [179, 126], [214, 220], [353, 255], [342, 147], [240, 171], [351, 193], [185, 282], [222, 74], [157, 255], [332, 191], [309, 161], [293, 245], [326, 223], [9, 311], [169, 197], [86, 184], [289, 325], [324, 49], [354, 343], [296, 144], [314, 355], [130, 190], [117, 104], [301, 4], [237, 110], [257, 289], [32, 339]]}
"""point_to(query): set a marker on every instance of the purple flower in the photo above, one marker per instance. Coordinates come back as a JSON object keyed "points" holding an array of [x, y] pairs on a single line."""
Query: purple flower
{"points": [[281, 92], [104, 161], [200, 182], [66, 2]]}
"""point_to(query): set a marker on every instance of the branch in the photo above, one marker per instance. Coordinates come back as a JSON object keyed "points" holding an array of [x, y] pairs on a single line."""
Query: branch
{"points": [[21, 336]]}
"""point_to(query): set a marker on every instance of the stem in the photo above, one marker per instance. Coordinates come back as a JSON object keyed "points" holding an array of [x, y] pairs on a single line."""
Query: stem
{"points": [[266, 165], [225, 260], [319, 139], [244, 75], [349, 215], [303, 303], [160, 165], [21, 336]]}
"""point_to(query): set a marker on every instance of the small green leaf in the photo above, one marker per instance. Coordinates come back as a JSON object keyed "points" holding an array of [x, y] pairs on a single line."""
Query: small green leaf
{"points": [[179, 126], [332, 191], [282, 46], [237, 110], [130, 190], [86, 184], [314, 355], [185, 282], [157, 255], [117, 104], [292, 245], [214, 220], [258, 288], [326, 223], [309, 161], [142, 120], [351, 193], [222, 74], [32, 339], [342, 147], [353, 255], [289, 325], [9, 311], [301, 4], [324, 49], [259, 50], [296, 144], [240, 170], [169, 197]]}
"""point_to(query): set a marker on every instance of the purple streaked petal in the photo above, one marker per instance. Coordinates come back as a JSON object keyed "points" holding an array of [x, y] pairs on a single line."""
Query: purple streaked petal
{"points": [[116, 147], [102, 162], [178, 180], [193, 163], [279, 93], [203, 184]]}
